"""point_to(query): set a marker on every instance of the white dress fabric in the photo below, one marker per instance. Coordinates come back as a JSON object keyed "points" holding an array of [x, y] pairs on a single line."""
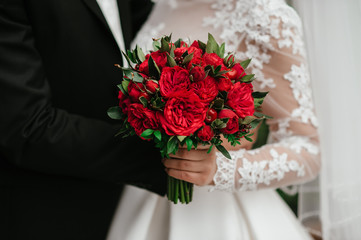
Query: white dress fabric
{"points": [[243, 204]]}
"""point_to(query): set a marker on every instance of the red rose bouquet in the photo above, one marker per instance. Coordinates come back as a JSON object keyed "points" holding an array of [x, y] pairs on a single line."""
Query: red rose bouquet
{"points": [[186, 95]]}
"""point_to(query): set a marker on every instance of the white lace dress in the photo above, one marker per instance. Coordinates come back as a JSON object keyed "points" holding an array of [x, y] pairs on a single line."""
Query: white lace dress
{"points": [[243, 204]]}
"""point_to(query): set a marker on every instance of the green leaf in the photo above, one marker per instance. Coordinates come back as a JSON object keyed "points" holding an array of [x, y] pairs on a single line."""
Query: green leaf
{"points": [[172, 51], [125, 84], [219, 123], [139, 53], [127, 58], [168, 38], [248, 78], [223, 151], [144, 101], [255, 123], [261, 115], [164, 45], [172, 144], [181, 138], [218, 68], [131, 56], [158, 135], [247, 119], [178, 43], [188, 58], [248, 138], [185, 54], [147, 133], [258, 102], [218, 104], [156, 45], [115, 113], [120, 86], [212, 45], [189, 143], [133, 75], [221, 50], [245, 63], [153, 68], [210, 148], [259, 94], [170, 61], [202, 45]]}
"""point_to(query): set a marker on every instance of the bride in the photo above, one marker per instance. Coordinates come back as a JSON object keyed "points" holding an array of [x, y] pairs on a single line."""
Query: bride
{"points": [[240, 202]]}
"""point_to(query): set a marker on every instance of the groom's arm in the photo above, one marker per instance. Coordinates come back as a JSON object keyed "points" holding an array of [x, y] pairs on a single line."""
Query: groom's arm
{"points": [[37, 136]]}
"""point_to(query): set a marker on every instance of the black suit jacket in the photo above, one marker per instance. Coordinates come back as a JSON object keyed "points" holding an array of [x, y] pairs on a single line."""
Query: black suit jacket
{"points": [[61, 168]]}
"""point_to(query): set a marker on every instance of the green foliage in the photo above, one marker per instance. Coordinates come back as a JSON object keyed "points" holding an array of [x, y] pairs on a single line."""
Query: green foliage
{"points": [[247, 78], [153, 68], [245, 63], [115, 113], [170, 61], [139, 54]]}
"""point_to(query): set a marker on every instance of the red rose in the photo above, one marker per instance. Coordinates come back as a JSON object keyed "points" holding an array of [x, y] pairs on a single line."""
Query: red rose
{"points": [[198, 73], [206, 133], [152, 86], [183, 114], [240, 99], [141, 118], [173, 79], [212, 59], [195, 44], [135, 90], [224, 84], [205, 89], [124, 102], [143, 67], [240, 72], [178, 52], [197, 56], [160, 58], [183, 44], [232, 124]]}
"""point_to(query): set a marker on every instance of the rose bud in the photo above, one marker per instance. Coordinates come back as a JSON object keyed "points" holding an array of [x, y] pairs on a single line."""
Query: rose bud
{"points": [[211, 116], [232, 124], [198, 73], [152, 86], [229, 60], [145, 95], [232, 74], [206, 133], [134, 90], [240, 71]]}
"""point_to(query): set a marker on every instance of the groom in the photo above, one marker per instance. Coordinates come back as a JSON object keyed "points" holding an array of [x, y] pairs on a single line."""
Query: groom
{"points": [[61, 169]]}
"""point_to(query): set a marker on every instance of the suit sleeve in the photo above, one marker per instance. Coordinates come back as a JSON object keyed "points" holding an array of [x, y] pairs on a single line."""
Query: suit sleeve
{"points": [[37, 136]]}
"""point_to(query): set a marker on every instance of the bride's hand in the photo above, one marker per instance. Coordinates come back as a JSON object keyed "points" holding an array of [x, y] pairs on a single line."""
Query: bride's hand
{"points": [[194, 166]]}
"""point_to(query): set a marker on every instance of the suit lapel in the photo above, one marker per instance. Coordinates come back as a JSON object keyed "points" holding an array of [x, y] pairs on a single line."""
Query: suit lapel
{"points": [[125, 18], [124, 14], [94, 8]]}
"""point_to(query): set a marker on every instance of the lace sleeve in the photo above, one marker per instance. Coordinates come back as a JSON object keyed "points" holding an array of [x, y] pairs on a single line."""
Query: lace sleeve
{"points": [[270, 32]]}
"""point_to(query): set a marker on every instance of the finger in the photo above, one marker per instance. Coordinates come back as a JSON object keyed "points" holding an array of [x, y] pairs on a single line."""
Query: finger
{"points": [[193, 154], [185, 165], [192, 177]]}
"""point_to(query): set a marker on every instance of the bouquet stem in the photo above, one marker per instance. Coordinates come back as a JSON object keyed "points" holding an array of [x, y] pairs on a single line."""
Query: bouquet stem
{"points": [[179, 190]]}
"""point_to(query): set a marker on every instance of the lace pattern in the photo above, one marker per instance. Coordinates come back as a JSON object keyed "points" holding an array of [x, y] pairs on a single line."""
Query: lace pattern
{"points": [[224, 177], [300, 82], [263, 172], [258, 21]]}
